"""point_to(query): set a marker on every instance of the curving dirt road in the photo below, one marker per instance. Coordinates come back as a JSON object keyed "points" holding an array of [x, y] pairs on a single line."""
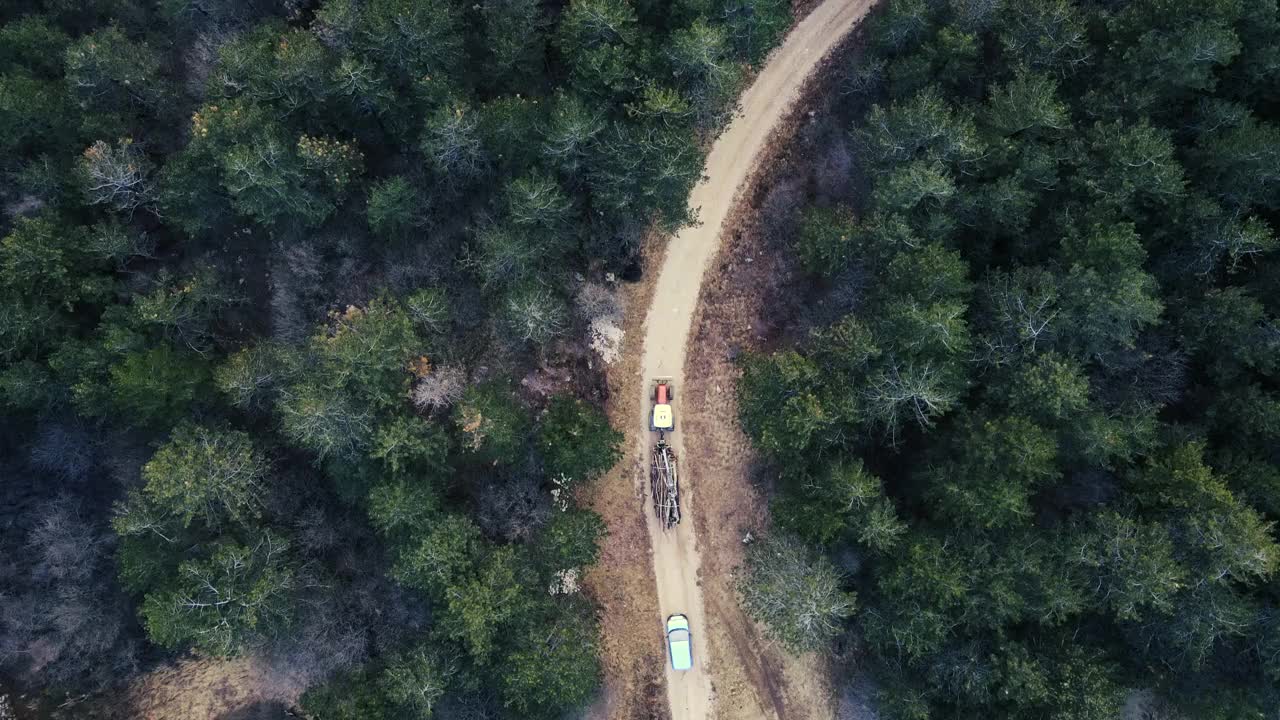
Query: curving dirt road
{"points": [[733, 157]]}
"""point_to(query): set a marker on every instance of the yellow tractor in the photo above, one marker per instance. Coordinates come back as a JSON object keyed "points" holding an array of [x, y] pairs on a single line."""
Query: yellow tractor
{"points": [[662, 419]]}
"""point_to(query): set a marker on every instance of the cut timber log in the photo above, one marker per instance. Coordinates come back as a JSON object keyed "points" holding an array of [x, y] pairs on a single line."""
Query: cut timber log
{"points": [[664, 484]]}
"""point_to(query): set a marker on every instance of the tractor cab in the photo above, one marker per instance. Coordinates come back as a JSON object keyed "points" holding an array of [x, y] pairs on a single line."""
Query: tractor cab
{"points": [[662, 418]]}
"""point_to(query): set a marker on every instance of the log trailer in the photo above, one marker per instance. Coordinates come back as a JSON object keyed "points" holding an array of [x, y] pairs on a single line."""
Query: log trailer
{"points": [[664, 484]]}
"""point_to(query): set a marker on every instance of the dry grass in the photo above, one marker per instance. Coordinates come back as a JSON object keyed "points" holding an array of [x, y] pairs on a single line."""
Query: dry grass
{"points": [[193, 689], [753, 677], [622, 580]]}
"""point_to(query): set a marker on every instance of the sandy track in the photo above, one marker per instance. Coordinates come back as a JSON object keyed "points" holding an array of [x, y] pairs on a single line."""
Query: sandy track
{"points": [[730, 164]]}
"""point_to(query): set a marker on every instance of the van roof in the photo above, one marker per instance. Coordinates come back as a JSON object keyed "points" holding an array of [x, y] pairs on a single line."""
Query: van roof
{"points": [[681, 655]]}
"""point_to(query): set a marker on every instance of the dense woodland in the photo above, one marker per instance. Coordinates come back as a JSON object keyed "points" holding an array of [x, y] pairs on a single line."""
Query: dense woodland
{"points": [[286, 290], [1030, 461]]}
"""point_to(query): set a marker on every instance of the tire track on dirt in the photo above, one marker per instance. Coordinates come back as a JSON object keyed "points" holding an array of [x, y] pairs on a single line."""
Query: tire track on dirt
{"points": [[763, 678]]}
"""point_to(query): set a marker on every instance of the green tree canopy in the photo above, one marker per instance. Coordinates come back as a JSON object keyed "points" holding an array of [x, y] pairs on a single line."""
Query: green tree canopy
{"points": [[210, 474], [223, 605], [576, 441]]}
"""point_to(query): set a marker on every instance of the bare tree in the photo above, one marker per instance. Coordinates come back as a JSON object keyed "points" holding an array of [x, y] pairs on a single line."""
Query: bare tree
{"points": [[780, 211], [863, 76], [1146, 705], [535, 316], [857, 698], [1229, 241], [1152, 374], [63, 449], [429, 308], [452, 143], [327, 637], [976, 15], [904, 393], [62, 622], [1023, 306], [316, 532], [513, 508], [833, 174], [297, 290], [600, 306], [595, 300], [469, 706], [63, 546], [201, 56], [115, 242], [117, 175], [440, 388], [796, 594]]}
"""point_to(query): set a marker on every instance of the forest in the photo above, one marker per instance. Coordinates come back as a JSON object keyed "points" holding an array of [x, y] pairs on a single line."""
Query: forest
{"points": [[292, 356], [1027, 456]]}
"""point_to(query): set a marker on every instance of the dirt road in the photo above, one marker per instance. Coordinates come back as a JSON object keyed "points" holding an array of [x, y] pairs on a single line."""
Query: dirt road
{"points": [[731, 162]]}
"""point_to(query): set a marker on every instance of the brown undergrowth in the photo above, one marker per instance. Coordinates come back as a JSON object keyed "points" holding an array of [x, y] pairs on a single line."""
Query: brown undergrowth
{"points": [[751, 297], [622, 579]]}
